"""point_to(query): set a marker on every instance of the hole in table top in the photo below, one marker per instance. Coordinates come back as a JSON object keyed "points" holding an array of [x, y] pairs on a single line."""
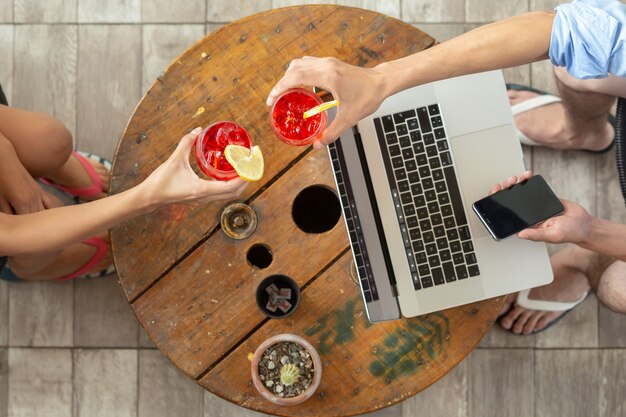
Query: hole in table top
{"points": [[259, 255], [316, 209]]}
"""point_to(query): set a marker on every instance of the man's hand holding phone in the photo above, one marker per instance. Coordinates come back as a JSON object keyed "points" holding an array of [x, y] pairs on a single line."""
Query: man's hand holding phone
{"points": [[572, 225]]}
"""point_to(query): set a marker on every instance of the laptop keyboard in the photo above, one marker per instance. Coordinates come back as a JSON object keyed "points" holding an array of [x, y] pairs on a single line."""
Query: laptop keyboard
{"points": [[435, 231], [359, 251]]}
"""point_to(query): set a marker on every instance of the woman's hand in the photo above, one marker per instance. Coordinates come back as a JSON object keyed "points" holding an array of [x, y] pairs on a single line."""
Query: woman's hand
{"points": [[176, 182], [19, 192], [359, 90]]}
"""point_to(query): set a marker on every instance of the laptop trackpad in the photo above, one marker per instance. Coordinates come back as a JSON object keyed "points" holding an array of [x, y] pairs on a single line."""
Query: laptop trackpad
{"points": [[483, 159]]}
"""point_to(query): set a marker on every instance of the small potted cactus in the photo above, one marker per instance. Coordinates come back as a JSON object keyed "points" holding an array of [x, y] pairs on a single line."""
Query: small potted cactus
{"points": [[286, 369]]}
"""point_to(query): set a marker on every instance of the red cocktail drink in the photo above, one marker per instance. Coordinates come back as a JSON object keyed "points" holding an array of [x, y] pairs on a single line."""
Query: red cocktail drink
{"points": [[210, 146], [287, 121]]}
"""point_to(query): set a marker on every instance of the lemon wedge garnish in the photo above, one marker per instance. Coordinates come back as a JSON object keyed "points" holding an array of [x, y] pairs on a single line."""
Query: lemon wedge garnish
{"points": [[248, 163]]}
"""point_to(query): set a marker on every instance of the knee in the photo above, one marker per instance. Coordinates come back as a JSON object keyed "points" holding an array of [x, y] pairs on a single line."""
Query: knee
{"points": [[58, 140], [611, 289]]}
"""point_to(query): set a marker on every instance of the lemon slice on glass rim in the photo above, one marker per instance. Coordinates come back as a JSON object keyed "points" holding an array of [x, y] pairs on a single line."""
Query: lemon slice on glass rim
{"points": [[248, 163]]}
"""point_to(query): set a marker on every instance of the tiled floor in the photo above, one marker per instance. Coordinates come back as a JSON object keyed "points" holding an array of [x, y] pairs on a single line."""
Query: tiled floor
{"points": [[76, 349]]}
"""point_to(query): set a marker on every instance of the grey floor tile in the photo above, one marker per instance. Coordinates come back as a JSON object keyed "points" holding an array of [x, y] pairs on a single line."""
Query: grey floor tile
{"points": [[433, 11], [144, 340], [500, 383], [41, 314], [212, 27], [6, 11], [446, 398], [6, 56], [571, 175], [50, 11], [609, 195], [542, 76], [547, 5], [4, 314], [578, 329], [102, 316], [105, 383], [163, 43], [497, 337], [441, 32], [40, 382], [612, 328], [566, 383], [518, 75], [214, 406], [4, 381], [286, 3], [487, 11], [120, 11], [227, 11], [613, 381], [164, 391], [386, 7], [33, 87], [109, 84], [167, 11], [391, 411]]}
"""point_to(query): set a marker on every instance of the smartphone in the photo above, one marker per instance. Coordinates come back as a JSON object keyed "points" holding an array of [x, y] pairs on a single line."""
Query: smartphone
{"points": [[525, 204]]}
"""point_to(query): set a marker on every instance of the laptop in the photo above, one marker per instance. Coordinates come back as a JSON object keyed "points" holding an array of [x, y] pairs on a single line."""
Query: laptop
{"points": [[407, 177]]}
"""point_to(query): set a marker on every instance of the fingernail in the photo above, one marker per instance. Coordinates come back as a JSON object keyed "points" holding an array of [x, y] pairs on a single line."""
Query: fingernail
{"points": [[196, 130]]}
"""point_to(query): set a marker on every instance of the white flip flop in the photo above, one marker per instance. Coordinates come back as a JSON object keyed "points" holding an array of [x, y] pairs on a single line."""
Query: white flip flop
{"points": [[530, 104], [543, 305]]}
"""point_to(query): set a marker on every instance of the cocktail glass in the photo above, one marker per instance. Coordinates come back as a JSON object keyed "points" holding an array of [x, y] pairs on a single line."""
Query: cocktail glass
{"points": [[287, 121], [210, 145]]}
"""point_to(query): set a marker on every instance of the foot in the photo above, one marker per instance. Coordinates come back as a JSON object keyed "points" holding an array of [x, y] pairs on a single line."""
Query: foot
{"points": [[70, 260], [73, 175], [570, 284], [547, 126]]}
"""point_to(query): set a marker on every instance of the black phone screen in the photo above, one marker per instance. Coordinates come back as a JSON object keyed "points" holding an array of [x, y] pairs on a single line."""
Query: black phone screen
{"points": [[523, 205]]}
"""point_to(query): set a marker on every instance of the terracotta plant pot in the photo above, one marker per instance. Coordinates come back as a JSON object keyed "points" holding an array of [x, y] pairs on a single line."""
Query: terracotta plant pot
{"points": [[270, 396]]}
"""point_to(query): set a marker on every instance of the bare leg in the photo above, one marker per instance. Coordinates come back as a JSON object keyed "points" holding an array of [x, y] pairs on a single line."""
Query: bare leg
{"points": [[41, 142], [44, 146], [570, 267], [65, 262], [576, 270], [578, 122], [611, 287]]}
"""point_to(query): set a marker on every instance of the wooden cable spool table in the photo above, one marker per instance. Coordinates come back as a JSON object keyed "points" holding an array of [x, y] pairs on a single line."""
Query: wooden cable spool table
{"points": [[193, 288]]}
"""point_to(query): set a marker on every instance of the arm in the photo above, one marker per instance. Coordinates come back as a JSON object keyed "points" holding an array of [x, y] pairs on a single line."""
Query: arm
{"points": [[514, 41], [575, 225], [19, 192], [172, 182], [507, 43]]}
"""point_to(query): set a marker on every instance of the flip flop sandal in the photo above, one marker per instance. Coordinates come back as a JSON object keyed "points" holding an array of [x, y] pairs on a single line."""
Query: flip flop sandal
{"points": [[101, 251], [95, 188], [542, 305], [81, 273], [543, 99]]}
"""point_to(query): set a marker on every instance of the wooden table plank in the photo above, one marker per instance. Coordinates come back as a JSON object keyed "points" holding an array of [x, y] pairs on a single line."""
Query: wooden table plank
{"points": [[205, 306], [365, 366], [228, 74]]}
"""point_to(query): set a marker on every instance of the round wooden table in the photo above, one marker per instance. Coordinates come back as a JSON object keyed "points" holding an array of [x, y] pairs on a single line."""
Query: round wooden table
{"points": [[193, 288]]}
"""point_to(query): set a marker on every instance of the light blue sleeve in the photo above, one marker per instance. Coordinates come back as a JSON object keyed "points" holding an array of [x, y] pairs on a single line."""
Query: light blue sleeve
{"points": [[588, 38]]}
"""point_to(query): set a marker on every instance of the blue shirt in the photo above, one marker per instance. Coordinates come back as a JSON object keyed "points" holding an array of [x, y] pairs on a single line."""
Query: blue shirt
{"points": [[589, 38]]}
